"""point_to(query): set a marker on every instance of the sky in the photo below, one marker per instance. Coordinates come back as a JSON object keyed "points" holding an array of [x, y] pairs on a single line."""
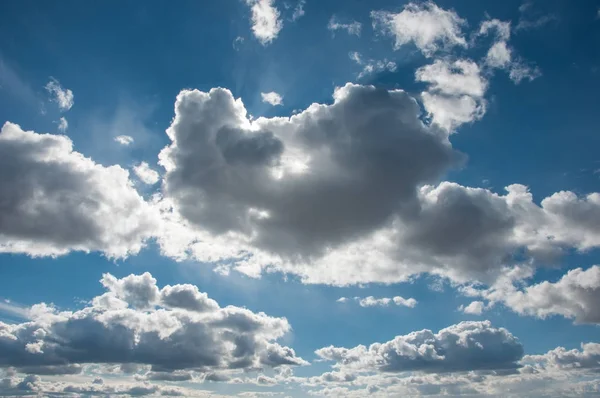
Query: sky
{"points": [[295, 198]]}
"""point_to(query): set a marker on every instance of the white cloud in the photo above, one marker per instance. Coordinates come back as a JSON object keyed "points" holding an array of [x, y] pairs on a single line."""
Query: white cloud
{"points": [[574, 296], [63, 97], [352, 28], [63, 124], [501, 56], [372, 66], [474, 308], [520, 72], [561, 359], [466, 346], [429, 27], [456, 78], [455, 95], [266, 21], [124, 140], [146, 174], [501, 28], [450, 112], [272, 98], [371, 301], [134, 321], [56, 200]]}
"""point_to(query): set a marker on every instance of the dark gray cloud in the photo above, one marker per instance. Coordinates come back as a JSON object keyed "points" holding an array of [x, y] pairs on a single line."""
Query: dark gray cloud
{"points": [[363, 157]]}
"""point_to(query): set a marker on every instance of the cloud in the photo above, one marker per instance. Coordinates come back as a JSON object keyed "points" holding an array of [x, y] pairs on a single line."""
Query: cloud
{"points": [[299, 10], [238, 42], [135, 322], [352, 28], [55, 200], [561, 359], [531, 18], [124, 140], [372, 66], [574, 296], [455, 94], [272, 195], [502, 56], [245, 193], [520, 72], [426, 25], [272, 98], [474, 308], [146, 174], [63, 97], [63, 125], [466, 346], [266, 21], [371, 301], [33, 385]]}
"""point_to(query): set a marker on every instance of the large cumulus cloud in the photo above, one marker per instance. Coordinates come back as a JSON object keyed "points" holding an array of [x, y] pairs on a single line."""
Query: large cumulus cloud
{"points": [[304, 184], [54, 200], [340, 193], [135, 322]]}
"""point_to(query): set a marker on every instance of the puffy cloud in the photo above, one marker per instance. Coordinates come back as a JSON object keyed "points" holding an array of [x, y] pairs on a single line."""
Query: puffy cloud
{"points": [[574, 296], [266, 21], [146, 174], [55, 200], [272, 98], [429, 27], [456, 78], [247, 191], [124, 140], [187, 297], [353, 27], [371, 301], [466, 346], [474, 308], [586, 359], [174, 328], [262, 181], [455, 94], [63, 97]]}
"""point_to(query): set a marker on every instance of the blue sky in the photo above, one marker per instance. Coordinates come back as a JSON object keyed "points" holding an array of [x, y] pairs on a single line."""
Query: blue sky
{"points": [[298, 198]]}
